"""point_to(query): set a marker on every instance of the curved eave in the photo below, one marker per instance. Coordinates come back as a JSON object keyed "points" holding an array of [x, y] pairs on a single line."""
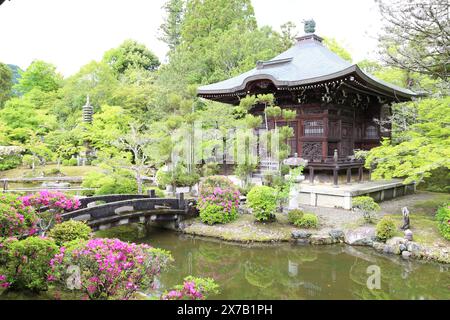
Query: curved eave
{"points": [[385, 88]]}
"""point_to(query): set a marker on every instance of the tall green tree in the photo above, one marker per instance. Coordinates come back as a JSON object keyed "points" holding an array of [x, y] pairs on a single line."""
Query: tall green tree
{"points": [[337, 48], [171, 28], [203, 17], [6, 83], [288, 34], [96, 79], [131, 55], [424, 147], [416, 36], [40, 75]]}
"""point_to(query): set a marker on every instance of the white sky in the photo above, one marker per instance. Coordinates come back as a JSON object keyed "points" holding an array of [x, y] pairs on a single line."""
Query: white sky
{"points": [[71, 33]]}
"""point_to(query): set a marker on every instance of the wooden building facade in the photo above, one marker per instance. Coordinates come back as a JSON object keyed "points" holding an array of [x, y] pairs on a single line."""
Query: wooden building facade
{"points": [[338, 105]]}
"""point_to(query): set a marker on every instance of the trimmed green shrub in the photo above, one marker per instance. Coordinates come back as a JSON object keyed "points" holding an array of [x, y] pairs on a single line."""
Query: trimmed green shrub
{"points": [[120, 182], [72, 162], [213, 214], [69, 231], [308, 221], [367, 206], [178, 177], [218, 200], [10, 162], [263, 201], [385, 229], [210, 169], [443, 219], [28, 263], [295, 215]]}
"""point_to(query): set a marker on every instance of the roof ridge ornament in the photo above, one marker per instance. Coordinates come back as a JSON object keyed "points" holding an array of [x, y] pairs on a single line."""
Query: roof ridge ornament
{"points": [[310, 36], [310, 26]]}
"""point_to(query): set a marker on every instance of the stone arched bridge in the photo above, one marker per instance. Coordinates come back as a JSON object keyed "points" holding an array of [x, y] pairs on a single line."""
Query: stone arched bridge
{"points": [[104, 212]]}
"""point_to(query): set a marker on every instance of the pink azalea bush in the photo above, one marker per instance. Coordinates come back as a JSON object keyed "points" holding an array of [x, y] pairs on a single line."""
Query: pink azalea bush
{"points": [[50, 205], [16, 219], [193, 289], [218, 200], [24, 264], [109, 268], [51, 200]]}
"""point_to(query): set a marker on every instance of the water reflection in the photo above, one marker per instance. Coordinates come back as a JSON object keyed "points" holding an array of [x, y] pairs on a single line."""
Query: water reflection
{"points": [[299, 272]]}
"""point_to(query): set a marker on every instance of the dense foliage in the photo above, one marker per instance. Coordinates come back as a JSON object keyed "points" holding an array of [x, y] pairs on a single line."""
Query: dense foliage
{"points": [[443, 219], [27, 263], [423, 145], [294, 216], [117, 182], [385, 229], [263, 202], [193, 289], [16, 219], [308, 221], [218, 200], [108, 268], [69, 231]]}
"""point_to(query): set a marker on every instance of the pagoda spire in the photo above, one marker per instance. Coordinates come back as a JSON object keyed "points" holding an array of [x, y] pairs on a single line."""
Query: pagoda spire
{"points": [[88, 111]]}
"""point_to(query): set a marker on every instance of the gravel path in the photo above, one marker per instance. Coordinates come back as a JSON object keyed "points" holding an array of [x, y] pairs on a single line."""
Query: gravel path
{"points": [[332, 218]]}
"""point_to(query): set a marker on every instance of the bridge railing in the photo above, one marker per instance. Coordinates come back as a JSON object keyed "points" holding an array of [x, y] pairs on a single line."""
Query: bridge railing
{"points": [[121, 206]]}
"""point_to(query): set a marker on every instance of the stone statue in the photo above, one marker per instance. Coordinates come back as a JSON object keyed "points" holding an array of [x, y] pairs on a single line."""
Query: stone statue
{"points": [[405, 213], [310, 26]]}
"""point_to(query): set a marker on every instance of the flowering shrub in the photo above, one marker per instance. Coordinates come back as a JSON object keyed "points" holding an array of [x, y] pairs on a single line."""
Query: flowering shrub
{"points": [[263, 201], [109, 268], [27, 263], [193, 289], [51, 200], [15, 218], [218, 200], [443, 218], [69, 231], [50, 205]]}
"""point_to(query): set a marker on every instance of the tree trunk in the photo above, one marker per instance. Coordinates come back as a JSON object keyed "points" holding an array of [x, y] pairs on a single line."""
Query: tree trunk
{"points": [[139, 181]]}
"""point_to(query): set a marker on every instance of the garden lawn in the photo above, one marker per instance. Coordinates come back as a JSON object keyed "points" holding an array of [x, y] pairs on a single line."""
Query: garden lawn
{"points": [[422, 207], [23, 172]]}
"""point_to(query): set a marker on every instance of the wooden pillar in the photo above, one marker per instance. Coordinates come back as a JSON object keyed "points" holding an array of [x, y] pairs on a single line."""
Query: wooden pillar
{"points": [[152, 193], [360, 174], [349, 175], [311, 175], [180, 197], [336, 177]]}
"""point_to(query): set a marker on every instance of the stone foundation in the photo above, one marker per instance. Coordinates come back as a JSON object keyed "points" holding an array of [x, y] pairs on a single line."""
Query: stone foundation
{"points": [[322, 195]]}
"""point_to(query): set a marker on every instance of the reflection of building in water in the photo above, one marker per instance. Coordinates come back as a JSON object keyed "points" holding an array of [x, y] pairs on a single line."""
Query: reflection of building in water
{"points": [[293, 269]]}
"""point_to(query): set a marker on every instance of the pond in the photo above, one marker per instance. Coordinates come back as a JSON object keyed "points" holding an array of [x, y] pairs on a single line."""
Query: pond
{"points": [[287, 271]]}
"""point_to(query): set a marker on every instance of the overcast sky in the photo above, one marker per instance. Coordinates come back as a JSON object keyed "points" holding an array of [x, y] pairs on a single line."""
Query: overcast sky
{"points": [[71, 33]]}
